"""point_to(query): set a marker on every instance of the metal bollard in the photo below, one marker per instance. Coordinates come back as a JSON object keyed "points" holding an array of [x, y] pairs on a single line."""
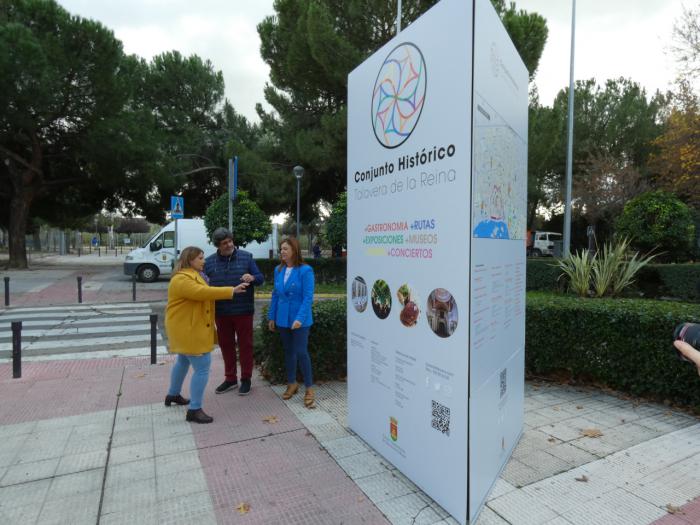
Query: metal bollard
{"points": [[16, 349], [154, 327], [133, 287], [99, 253], [80, 289], [115, 251], [7, 291]]}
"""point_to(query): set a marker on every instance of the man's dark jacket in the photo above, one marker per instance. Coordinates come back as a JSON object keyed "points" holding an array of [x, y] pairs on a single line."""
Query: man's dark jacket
{"points": [[227, 271]]}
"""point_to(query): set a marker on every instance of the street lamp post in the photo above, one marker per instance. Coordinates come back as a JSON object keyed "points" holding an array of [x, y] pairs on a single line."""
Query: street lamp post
{"points": [[298, 173]]}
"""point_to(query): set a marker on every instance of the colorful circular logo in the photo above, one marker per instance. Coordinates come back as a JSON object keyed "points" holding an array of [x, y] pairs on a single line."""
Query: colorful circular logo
{"points": [[399, 94]]}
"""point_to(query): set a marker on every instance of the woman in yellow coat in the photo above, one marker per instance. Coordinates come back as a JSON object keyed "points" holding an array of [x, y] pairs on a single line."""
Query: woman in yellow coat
{"points": [[189, 323]]}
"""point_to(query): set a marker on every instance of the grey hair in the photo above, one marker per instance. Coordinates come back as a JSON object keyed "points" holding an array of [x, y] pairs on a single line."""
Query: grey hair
{"points": [[221, 234]]}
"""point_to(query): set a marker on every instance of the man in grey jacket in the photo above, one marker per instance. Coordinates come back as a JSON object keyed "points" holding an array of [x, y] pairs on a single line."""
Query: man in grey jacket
{"points": [[231, 266]]}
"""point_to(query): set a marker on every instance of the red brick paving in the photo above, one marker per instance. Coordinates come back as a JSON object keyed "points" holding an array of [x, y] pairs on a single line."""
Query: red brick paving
{"points": [[277, 468], [689, 514]]}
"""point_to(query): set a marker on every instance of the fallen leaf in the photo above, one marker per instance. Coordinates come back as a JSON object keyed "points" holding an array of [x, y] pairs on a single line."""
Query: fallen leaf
{"points": [[243, 508], [556, 409], [591, 433], [270, 419], [139, 376], [672, 509], [552, 440], [579, 407], [583, 478]]}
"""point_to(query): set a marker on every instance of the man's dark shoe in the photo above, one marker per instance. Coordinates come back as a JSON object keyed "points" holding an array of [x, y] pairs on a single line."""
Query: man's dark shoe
{"points": [[198, 416], [178, 400], [226, 386], [245, 387]]}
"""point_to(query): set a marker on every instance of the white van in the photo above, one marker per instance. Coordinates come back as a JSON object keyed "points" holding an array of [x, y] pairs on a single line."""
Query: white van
{"points": [[542, 243], [157, 256]]}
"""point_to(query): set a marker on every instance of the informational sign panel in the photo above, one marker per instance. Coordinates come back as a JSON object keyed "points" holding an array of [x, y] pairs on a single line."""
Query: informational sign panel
{"points": [[177, 207], [437, 165]]}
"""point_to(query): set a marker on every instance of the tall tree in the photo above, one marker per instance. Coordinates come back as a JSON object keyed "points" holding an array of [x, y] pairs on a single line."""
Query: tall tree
{"points": [[686, 42], [64, 85], [545, 134], [614, 126], [676, 164], [311, 46]]}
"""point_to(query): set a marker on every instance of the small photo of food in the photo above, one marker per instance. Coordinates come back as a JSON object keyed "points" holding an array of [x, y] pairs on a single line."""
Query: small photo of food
{"points": [[442, 312], [381, 299], [409, 303], [359, 294]]}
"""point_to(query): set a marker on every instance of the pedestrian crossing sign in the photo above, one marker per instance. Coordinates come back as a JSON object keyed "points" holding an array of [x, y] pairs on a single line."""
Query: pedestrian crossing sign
{"points": [[177, 207]]}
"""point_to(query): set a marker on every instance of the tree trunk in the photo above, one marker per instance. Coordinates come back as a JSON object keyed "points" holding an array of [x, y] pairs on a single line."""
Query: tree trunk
{"points": [[19, 214]]}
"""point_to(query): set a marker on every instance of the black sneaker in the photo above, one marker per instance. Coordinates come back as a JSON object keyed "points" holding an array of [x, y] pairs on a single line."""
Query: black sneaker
{"points": [[226, 386], [245, 387]]}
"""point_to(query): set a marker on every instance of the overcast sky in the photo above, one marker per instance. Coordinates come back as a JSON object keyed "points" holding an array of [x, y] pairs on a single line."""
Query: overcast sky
{"points": [[613, 38]]}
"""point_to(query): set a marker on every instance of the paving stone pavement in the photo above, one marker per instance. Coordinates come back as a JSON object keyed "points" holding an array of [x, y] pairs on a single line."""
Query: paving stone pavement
{"points": [[90, 441]]}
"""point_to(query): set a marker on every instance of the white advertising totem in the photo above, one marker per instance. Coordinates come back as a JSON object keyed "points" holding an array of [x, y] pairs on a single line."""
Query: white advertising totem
{"points": [[437, 187]]}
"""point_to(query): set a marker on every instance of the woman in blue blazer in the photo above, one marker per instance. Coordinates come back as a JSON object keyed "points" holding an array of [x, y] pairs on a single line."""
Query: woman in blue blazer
{"points": [[290, 314]]}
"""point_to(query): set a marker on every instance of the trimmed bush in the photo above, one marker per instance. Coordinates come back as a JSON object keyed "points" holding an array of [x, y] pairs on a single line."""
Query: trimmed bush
{"points": [[327, 344], [677, 281], [625, 344], [622, 343], [542, 275], [660, 221], [326, 271]]}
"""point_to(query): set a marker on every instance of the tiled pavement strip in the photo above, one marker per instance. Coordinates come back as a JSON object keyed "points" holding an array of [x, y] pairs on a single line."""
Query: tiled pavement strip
{"points": [[305, 466]]}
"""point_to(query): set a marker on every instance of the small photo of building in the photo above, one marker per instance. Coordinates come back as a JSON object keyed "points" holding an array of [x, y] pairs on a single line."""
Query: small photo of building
{"points": [[359, 294], [442, 313]]}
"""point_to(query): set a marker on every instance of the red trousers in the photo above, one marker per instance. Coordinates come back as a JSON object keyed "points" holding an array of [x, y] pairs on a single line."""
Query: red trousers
{"points": [[232, 328]]}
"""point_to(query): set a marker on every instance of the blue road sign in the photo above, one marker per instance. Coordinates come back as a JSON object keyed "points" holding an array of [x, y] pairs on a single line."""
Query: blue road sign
{"points": [[177, 207]]}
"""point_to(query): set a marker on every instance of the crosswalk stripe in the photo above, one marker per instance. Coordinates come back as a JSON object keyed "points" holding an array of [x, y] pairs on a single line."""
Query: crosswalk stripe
{"points": [[97, 354], [49, 323], [83, 332], [63, 315], [42, 344], [95, 307]]}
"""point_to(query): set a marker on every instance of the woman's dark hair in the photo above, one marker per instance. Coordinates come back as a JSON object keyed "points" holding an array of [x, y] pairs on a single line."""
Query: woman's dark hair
{"points": [[293, 243], [188, 255]]}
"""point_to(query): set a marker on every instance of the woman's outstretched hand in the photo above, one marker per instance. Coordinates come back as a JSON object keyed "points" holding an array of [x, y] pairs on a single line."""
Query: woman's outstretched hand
{"points": [[240, 288]]}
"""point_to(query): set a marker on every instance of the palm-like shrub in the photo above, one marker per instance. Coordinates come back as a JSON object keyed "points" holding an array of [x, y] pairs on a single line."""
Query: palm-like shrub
{"points": [[606, 273]]}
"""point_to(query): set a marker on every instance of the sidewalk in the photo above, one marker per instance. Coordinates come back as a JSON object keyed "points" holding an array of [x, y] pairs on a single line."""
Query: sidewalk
{"points": [[86, 439]]}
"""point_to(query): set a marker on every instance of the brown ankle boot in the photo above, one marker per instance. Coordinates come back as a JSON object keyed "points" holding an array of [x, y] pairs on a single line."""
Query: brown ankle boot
{"points": [[309, 398], [291, 390]]}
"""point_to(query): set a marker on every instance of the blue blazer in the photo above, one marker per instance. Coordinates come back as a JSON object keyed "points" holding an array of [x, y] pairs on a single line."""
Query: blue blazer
{"points": [[292, 301]]}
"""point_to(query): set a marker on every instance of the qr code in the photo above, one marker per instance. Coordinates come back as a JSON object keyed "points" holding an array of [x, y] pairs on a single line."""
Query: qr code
{"points": [[504, 384], [441, 418]]}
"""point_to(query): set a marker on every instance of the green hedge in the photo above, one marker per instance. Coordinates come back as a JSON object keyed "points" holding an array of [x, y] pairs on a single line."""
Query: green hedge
{"points": [[622, 343], [678, 281], [681, 281], [625, 344], [325, 270], [543, 275], [327, 345]]}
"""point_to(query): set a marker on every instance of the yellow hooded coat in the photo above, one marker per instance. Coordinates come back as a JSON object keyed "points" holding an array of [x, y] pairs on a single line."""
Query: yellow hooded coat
{"points": [[189, 318]]}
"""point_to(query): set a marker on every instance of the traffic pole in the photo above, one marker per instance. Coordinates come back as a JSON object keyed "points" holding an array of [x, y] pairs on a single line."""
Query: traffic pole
{"points": [[16, 349], [80, 289], [154, 327]]}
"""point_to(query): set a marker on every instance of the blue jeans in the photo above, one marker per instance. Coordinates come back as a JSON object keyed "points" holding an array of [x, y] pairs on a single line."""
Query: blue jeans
{"points": [[295, 350], [200, 376]]}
